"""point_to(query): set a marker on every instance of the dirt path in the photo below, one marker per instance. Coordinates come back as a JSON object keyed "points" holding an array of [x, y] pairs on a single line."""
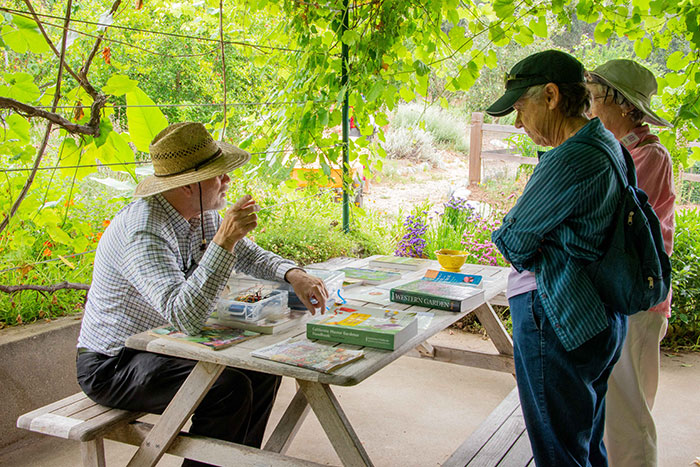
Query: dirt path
{"points": [[407, 184]]}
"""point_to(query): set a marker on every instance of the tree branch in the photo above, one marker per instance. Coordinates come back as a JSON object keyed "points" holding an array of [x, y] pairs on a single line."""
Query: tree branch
{"points": [[84, 70], [10, 289], [26, 110], [40, 153], [223, 62], [83, 82]]}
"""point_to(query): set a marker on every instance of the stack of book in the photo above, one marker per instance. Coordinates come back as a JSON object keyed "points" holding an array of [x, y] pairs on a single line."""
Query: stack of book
{"points": [[370, 327]]}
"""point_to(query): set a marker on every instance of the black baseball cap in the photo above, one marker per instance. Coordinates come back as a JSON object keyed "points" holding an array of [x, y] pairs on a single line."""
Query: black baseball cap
{"points": [[550, 66]]}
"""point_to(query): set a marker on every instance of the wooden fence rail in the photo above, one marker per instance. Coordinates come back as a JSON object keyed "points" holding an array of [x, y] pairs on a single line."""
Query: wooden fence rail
{"points": [[477, 154]]}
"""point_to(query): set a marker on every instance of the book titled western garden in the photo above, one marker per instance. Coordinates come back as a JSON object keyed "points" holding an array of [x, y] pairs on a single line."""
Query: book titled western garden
{"points": [[440, 295]]}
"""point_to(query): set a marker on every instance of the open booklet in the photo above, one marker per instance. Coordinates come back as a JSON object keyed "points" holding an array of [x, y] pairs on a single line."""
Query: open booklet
{"points": [[307, 354], [212, 335]]}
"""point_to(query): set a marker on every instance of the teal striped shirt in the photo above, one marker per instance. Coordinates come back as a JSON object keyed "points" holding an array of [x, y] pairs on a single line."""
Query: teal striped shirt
{"points": [[558, 225]]}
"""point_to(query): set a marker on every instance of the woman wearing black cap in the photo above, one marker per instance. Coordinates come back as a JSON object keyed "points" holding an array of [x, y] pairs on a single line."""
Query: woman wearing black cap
{"points": [[566, 340]]}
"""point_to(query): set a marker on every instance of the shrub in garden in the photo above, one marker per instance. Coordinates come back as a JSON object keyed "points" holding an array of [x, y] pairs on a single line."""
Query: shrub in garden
{"points": [[684, 324], [457, 227], [412, 144], [444, 127]]}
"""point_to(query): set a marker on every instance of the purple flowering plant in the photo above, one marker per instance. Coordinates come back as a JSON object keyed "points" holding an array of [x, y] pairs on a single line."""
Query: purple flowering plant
{"points": [[413, 244], [457, 227]]}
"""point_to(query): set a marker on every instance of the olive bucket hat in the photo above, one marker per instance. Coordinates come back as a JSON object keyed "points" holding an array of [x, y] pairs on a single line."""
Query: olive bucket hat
{"points": [[550, 66], [633, 81], [185, 153]]}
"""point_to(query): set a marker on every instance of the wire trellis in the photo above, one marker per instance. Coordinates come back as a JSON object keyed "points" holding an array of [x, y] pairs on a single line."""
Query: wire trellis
{"points": [[28, 14], [221, 41], [148, 161], [193, 105]]}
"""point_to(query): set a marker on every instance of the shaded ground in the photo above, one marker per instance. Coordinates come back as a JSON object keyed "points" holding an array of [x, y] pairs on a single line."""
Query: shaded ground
{"points": [[416, 412]]}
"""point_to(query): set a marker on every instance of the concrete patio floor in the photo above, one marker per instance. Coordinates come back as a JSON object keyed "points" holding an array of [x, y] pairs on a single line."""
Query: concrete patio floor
{"points": [[417, 412]]}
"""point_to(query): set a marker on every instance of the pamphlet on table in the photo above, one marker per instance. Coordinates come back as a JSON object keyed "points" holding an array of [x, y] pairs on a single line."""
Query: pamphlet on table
{"points": [[456, 278], [307, 354], [374, 295], [370, 276], [212, 335]]}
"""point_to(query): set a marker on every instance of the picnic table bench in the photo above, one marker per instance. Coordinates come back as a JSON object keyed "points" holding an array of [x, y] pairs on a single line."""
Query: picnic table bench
{"points": [[500, 440]]}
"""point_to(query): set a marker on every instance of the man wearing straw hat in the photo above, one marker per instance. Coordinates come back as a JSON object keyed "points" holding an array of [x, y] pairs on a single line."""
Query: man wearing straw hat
{"points": [[164, 259]]}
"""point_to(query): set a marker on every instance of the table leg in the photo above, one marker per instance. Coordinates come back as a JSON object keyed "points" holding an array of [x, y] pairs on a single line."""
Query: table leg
{"points": [[495, 329], [176, 414], [336, 425], [289, 424]]}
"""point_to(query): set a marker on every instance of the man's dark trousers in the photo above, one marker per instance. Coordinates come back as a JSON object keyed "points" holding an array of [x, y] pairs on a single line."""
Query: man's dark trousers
{"points": [[236, 408]]}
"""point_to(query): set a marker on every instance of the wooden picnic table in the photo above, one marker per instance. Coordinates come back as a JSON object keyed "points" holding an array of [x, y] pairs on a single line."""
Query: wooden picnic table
{"points": [[314, 388]]}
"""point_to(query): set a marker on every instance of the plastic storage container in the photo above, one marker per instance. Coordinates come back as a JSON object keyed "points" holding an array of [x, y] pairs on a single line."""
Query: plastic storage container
{"points": [[275, 302], [334, 284]]}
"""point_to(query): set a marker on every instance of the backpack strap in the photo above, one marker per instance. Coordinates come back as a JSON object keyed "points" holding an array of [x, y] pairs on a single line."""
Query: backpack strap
{"points": [[625, 175]]}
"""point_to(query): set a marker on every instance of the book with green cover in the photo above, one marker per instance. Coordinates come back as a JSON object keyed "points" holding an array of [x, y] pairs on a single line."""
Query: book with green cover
{"points": [[440, 295], [306, 354], [398, 262], [212, 335], [371, 276], [370, 327]]}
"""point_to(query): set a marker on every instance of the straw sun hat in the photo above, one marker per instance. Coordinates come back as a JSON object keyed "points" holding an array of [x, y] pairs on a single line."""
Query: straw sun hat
{"points": [[634, 82], [185, 153]]}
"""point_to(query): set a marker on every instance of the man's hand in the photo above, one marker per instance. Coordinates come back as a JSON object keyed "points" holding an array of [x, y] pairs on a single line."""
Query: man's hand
{"points": [[238, 221], [310, 289]]}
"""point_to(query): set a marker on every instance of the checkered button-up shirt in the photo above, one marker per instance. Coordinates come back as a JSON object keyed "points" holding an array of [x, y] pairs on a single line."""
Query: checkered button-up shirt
{"points": [[139, 279]]}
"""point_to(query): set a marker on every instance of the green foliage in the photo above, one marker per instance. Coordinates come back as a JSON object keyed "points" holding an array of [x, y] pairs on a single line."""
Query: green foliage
{"points": [[307, 230], [684, 324], [283, 72]]}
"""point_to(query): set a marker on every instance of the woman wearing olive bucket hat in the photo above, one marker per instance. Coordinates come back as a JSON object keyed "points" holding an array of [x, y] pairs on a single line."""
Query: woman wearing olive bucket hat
{"points": [[164, 260], [621, 92]]}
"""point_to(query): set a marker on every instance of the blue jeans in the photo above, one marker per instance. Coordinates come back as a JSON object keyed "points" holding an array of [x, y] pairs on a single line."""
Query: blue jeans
{"points": [[562, 393]]}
